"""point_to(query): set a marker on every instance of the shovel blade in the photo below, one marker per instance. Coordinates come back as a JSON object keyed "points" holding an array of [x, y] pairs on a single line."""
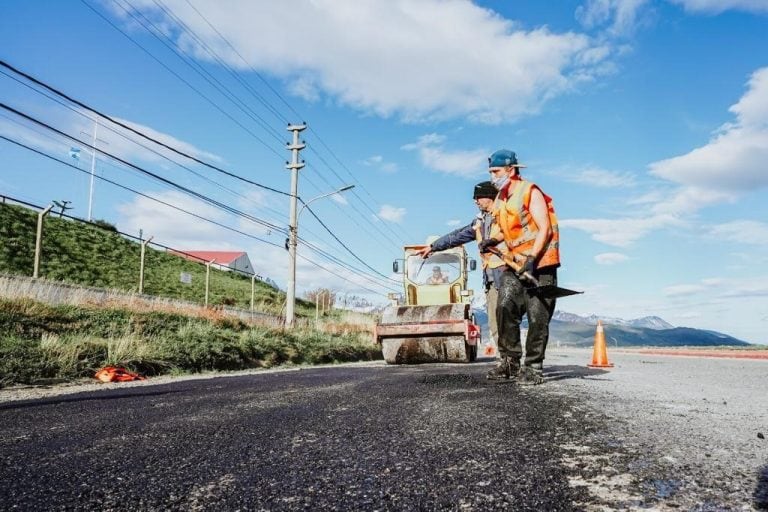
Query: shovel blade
{"points": [[550, 291]]}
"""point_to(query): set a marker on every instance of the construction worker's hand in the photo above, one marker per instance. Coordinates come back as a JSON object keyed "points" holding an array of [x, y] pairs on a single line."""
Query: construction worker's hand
{"points": [[528, 266], [425, 252], [487, 244]]}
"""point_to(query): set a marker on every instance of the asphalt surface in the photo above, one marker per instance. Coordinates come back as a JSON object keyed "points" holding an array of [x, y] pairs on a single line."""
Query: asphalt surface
{"points": [[377, 437]]}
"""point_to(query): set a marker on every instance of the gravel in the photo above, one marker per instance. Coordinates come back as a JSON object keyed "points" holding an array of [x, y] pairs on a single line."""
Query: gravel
{"points": [[689, 429]]}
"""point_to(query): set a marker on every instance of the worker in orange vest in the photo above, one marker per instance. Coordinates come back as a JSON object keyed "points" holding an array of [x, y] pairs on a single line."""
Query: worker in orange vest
{"points": [[528, 225], [481, 227]]}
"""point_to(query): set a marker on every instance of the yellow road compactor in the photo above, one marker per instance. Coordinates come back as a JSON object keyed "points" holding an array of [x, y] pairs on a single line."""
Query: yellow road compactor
{"points": [[432, 322]]}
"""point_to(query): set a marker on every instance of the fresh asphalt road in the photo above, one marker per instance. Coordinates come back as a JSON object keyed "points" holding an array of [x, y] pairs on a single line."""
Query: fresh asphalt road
{"points": [[335, 438], [377, 437]]}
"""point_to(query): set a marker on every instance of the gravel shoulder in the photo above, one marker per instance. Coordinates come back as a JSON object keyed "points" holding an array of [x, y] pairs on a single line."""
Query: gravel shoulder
{"points": [[691, 430]]}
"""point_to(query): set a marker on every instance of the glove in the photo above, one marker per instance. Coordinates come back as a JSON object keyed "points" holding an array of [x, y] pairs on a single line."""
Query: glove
{"points": [[486, 245], [529, 266]]}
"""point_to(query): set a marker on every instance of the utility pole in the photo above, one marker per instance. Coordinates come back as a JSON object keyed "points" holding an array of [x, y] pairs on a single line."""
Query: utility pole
{"points": [[294, 167]]}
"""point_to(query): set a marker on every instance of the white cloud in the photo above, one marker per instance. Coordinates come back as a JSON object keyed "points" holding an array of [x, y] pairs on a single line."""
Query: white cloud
{"points": [[454, 223], [622, 16], [602, 178], [26, 135], [610, 258], [172, 227], [128, 150], [736, 159], [110, 138], [620, 232], [741, 231], [462, 163], [734, 162], [686, 200], [378, 162], [357, 53], [719, 6], [392, 213], [679, 290]]}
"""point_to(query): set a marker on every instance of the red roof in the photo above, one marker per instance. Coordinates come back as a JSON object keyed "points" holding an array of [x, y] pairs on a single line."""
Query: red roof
{"points": [[221, 257]]}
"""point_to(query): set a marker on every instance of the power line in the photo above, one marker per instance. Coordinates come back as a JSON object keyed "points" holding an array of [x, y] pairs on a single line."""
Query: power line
{"points": [[203, 73], [127, 127], [138, 143], [229, 228], [149, 173], [232, 47]]}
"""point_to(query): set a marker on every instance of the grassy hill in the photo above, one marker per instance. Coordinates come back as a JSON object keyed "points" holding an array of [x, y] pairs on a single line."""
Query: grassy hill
{"points": [[41, 343], [85, 254]]}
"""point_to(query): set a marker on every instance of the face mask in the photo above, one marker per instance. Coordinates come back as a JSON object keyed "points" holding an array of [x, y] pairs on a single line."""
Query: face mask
{"points": [[500, 182]]}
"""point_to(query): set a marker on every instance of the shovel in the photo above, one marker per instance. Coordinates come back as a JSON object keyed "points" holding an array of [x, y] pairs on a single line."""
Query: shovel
{"points": [[547, 291]]}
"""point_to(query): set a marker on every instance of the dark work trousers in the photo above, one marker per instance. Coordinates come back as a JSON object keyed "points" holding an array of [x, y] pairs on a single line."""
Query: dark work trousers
{"points": [[515, 301]]}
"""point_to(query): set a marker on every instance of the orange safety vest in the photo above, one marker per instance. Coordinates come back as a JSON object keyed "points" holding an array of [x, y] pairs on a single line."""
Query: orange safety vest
{"points": [[489, 259], [512, 214]]}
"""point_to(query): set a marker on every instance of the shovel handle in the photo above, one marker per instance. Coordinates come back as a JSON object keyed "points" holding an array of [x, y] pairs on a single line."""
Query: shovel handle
{"points": [[509, 260]]}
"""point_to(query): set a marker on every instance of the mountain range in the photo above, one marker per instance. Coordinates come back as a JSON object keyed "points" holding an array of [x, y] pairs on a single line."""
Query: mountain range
{"points": [[569, 329]]}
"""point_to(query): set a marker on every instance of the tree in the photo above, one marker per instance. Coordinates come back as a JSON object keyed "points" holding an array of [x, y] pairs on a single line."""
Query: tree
{"points": [[323, 297]]}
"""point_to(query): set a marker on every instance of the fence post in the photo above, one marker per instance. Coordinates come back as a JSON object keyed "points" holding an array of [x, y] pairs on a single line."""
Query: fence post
{"points": [[208, 278], [39, 241], [141, 267], [253, 290]]}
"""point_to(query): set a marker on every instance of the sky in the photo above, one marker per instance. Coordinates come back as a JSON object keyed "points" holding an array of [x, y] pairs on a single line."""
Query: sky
{"points": [[646, 121]]}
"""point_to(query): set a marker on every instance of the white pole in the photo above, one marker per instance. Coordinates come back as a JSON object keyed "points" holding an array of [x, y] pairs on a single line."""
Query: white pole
{"points": [[93, 167]]}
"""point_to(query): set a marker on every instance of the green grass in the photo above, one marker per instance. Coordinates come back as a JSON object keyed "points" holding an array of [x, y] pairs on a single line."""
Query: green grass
{"points": [[82, 254], [40, 342]]}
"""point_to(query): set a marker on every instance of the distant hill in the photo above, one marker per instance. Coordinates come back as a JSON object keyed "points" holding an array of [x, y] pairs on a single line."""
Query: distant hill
{"points": [[575, 330], [649, 322]]}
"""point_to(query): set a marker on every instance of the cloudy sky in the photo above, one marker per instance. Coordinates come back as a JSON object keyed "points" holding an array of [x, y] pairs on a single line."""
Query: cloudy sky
{"points": [[645, 120]]}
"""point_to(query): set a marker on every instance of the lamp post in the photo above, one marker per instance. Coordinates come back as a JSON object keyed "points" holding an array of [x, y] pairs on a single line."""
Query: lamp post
{"points": [[293, 229]]}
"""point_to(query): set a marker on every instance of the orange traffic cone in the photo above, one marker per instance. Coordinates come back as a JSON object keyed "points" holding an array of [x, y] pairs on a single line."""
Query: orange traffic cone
{"points": [[600, 353]]}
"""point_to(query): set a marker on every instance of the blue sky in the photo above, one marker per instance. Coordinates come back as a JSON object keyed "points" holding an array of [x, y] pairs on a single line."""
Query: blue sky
{"points": [[646, 121]]}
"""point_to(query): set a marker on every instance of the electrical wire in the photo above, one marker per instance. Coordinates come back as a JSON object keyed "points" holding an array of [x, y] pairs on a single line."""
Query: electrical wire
{"points": [[229, 228]]}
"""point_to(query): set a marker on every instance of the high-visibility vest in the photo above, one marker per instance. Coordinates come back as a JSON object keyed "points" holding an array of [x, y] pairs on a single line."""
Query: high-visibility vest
{"points": [[512, 214], [489, 259]]}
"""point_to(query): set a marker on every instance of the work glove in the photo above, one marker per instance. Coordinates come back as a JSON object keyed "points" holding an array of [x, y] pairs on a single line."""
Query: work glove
{"points": [[528, 266], [487, 244]]}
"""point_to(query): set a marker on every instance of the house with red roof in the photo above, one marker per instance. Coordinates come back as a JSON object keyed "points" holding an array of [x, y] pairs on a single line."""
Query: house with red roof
{"points": [[225, 260]]}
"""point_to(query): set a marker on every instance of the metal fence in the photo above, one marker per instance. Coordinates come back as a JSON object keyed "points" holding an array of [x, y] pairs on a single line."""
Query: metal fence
{"points": [[97, 252]]}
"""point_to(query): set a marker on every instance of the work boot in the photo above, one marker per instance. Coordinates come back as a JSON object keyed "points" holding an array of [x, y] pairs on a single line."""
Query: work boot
{"points": [[501, 371], [530, 376], [506, 368]]}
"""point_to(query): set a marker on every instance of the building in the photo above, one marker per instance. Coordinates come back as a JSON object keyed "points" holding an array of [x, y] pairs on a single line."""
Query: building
{"points": [[225, 260]]}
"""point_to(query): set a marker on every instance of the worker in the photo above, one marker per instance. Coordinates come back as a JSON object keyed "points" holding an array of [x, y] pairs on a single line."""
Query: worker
{"points": [[528, 225], [478, 229], [437, 276]]}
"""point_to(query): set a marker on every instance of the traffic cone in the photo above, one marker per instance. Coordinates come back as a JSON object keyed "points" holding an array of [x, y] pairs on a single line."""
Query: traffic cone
{"points": [[600, 353], [490, 350]]}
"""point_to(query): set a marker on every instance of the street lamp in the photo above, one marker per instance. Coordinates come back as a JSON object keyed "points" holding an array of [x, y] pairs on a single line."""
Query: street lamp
{"points": [[293, 229]]}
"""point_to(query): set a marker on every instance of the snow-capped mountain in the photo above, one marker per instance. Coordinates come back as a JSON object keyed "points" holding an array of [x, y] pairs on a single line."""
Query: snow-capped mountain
{"points": [[648, 322]]}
